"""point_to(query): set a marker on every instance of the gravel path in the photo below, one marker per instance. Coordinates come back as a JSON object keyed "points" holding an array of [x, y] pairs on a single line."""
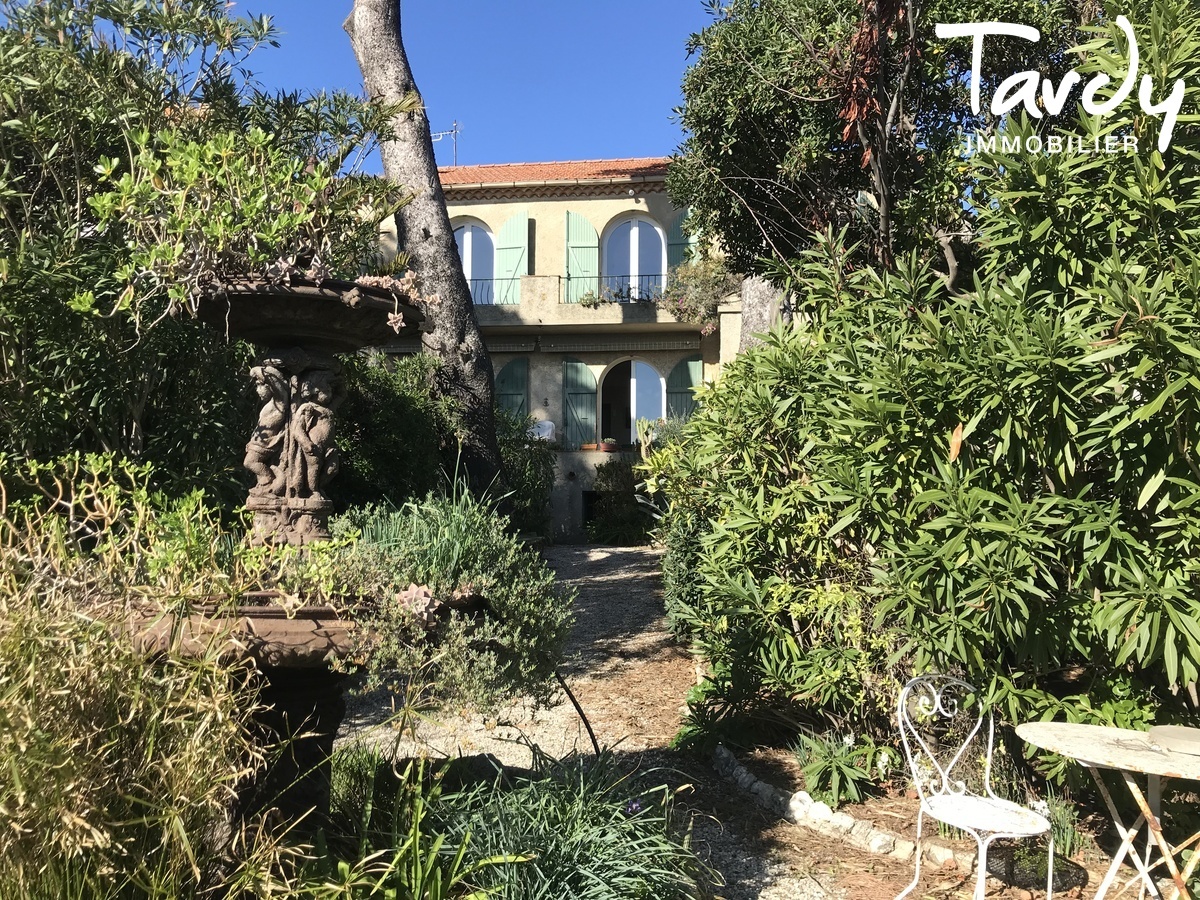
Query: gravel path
{"points": [[631, 679]]}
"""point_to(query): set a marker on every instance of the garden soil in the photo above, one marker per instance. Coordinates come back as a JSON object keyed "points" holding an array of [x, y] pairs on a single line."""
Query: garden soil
{"points": [[631, 679]]}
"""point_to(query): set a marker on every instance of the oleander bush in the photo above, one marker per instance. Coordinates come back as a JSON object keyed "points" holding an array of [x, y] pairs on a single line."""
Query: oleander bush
{"points": [[1000, 482], [528, 465]]}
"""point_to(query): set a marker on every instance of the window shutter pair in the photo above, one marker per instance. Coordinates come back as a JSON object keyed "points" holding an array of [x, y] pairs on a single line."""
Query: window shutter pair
{"points": [[583, 253]]}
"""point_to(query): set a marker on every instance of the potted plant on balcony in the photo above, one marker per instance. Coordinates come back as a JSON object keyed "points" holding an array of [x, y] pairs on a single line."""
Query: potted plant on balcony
{"points": [[609, 445]]}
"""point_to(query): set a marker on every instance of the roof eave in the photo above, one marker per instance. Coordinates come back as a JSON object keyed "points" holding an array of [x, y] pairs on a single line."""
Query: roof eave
{"points": [[627, 179]]}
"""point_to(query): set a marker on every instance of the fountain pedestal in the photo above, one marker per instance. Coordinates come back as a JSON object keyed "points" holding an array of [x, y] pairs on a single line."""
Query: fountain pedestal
{"points": [[298, 328]]}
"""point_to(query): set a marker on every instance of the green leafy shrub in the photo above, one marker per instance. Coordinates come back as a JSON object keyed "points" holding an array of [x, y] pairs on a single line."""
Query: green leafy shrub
{"points": [[177, 174], [846, 543], [528, 465], [836, 769], [998, 483], [495, 615], [389, 431], [618, 518], [583, 830]]}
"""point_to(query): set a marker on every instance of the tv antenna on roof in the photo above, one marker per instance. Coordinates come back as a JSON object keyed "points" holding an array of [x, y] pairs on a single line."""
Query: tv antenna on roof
{"points": [[452, 134]]}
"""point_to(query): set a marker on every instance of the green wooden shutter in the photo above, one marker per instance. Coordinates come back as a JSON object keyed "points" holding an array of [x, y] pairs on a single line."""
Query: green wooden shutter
{"points": [[512, 387], [512, 258], [579, 404], [684, 378], [583, 258], [679, 244]]}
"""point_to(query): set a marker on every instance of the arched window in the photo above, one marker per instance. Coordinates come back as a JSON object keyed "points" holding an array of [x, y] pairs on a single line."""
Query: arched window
{"points": [[634, 260], [477, 252], [631, 390]]}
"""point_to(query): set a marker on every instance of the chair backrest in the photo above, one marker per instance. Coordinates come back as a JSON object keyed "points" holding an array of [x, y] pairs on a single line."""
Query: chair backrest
{"points": [[938, 728]]}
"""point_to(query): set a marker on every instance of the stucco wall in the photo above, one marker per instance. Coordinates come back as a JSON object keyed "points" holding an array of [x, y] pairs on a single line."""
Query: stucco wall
{"points": [[548, 218], [576, 469]]}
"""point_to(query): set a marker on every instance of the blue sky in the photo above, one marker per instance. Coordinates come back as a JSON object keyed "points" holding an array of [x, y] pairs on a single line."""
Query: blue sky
{"points": [[526, 80]]}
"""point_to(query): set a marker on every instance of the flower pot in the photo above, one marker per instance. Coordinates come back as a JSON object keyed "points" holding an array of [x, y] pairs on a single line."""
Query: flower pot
{"points": [[587, 446], [609, 446]]}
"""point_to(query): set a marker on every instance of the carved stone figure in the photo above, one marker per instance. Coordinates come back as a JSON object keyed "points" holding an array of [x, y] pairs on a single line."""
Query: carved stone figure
{"points": [[314, 457], [264, 451], [291, 451]]}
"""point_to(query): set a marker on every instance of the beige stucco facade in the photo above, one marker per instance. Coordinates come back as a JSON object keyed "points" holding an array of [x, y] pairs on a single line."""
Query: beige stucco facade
{"points": [[549, 333]]}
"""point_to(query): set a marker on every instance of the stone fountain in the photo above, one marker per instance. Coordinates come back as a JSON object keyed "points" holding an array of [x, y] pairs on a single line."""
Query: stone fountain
{"points": [[298, 328]]}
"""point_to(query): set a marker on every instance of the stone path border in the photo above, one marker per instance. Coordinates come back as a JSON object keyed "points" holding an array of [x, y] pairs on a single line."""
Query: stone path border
{"points": [[801, 809]]}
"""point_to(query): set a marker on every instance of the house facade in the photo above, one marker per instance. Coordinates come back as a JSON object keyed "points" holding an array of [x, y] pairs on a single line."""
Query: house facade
{"points": [[565, 261]]}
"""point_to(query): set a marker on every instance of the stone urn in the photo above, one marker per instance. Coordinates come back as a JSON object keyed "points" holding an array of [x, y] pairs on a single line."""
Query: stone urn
{"points": [[298, 329]]}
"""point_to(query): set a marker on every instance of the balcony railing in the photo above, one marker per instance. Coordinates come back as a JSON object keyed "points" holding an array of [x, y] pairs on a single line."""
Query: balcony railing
{"points": [[613, 289], [496, 291]]}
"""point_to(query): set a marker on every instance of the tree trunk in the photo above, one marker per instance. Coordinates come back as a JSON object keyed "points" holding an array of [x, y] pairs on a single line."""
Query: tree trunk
{"points": [[761, 304], [424, 233]]}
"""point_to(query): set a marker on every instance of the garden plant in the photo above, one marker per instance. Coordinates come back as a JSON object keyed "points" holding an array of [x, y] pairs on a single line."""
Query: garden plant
{"points": [[995, 478]]}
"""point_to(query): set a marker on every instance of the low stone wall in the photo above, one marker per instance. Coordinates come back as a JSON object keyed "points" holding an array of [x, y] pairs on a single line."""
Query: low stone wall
{"points": [[801, 809]]}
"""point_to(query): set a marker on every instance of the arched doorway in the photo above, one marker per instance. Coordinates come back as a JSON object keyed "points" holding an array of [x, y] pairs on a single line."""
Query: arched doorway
{"points": [[630, 390]]}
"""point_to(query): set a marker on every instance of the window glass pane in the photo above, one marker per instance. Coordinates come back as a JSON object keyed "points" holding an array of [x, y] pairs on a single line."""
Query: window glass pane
{"points": [[647, 392], [482, 253], [616, 257], [649, 250]]}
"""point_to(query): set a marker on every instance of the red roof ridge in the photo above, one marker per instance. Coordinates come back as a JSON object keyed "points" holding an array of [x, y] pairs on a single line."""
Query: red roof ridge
{"points": [[577, 171], [560, 162]]}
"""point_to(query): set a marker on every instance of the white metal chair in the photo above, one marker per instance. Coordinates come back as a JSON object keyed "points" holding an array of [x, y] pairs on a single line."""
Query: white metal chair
{"points": [[938, 732]]}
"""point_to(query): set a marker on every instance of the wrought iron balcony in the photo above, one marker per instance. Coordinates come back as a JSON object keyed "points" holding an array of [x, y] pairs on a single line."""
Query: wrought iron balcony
{"points": [[495, 291]]}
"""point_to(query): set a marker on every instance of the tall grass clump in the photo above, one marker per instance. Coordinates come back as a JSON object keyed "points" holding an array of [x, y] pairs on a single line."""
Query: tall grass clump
{"points": [[117, 774], [382, 835], [581, 830]]}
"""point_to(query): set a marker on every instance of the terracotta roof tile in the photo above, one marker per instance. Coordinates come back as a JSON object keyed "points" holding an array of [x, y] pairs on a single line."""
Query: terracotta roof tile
{"points": [[580, 170]]}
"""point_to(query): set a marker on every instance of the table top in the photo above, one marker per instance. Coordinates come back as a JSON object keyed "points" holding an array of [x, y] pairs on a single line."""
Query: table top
{"points": [[1110, 748]]}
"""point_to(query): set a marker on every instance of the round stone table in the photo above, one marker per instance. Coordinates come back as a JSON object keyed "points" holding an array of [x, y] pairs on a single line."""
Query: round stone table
{"points": [[1132, 754]]}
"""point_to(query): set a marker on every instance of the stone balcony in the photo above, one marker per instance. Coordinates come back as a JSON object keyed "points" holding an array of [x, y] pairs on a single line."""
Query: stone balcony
{"points": [[541, 305]]}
